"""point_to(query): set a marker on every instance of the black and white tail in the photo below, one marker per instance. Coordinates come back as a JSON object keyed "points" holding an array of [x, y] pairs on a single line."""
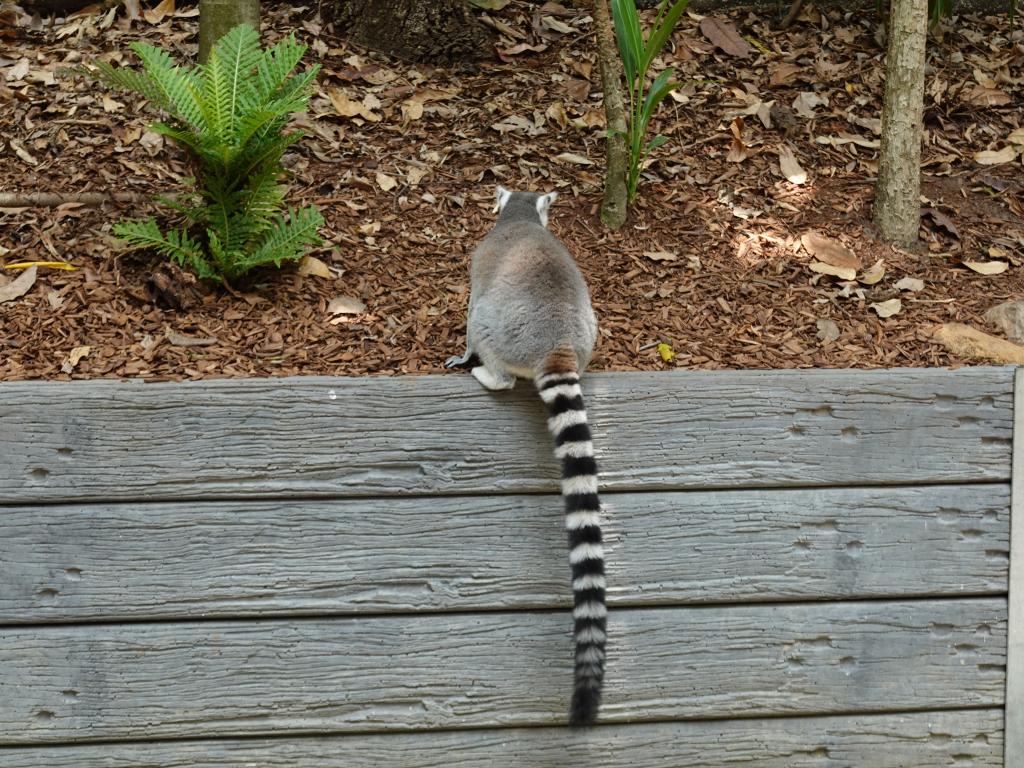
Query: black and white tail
{"points": [[567, 422]]}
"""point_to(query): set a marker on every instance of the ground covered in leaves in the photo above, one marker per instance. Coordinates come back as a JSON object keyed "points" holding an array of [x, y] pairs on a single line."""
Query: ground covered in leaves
{"points": [[750, 245]]}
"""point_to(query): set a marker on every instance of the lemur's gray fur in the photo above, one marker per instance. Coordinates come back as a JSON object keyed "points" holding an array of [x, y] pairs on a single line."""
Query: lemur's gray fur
{"points": [[530, 316]]}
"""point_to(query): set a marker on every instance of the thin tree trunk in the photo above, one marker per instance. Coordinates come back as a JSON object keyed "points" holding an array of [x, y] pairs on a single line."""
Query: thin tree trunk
{"points": [[217, 17], [897, 210], [613, 207]]}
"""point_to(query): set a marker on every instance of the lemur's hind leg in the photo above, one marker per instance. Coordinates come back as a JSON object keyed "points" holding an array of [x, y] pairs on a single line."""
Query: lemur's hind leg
{"points": [[467, 360], [493, 380]]}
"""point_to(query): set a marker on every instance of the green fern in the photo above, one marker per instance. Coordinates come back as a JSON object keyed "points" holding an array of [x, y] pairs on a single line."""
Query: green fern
{"points": [[229, 115]]}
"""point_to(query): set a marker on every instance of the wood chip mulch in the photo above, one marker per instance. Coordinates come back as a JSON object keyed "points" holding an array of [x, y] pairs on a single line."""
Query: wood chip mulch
{"points": [[710, 264]]}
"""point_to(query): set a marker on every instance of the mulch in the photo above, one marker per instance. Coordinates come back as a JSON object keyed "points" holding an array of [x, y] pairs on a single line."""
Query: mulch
{"points": [[709, 264]]}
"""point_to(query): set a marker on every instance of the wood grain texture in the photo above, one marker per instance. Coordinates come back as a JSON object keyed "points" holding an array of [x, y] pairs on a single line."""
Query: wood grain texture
{"points": [[104, 440], [1015, 639], [971, 738], [141, 681], [229, 559]]}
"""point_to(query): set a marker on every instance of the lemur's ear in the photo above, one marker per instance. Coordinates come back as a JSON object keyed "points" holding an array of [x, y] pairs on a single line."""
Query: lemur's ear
{"points": [[543, 203], [501, 199]]}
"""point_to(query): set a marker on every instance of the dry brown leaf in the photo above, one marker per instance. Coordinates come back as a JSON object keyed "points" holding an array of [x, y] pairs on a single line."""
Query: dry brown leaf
{"points": [[971, 343], [73, 359], [846, 273], [806, 101], [986, 97], [987, 267], [19, 286], [310, 265], [556, 113], [506, 54], [156, 15], [385, 182], [737, 151], [724, 35], [572, 157], [828, 331], [661, 255], [874, 273], [784, 74], [24, 154], [1016, 137], [996, 156], [346, 305], [887, 308], [790, 166], [831, 251], [183, 340], [911, 284], [347, 107]]}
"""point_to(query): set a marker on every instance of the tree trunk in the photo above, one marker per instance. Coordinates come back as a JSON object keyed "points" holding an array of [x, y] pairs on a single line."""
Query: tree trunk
{"points": [[613, 207], [216, 17], [897, 210], [439, 31]]}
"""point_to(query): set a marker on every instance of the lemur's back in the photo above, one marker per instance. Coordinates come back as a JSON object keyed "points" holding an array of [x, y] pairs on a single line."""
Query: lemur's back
{"points": [[528, 298], [530, 316]]}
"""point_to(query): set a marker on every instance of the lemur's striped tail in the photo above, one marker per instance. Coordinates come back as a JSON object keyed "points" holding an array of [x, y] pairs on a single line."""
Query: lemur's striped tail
{"points": [[559, 388]]}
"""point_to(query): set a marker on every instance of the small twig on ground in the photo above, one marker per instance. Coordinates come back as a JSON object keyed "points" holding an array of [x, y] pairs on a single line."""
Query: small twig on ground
{"points": [[52, 199]]}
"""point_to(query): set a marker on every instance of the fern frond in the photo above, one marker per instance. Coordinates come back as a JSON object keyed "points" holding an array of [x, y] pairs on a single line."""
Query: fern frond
{"points": [[178, 85], [137, 82], [227, 78], [175, 244], [288, 239]]}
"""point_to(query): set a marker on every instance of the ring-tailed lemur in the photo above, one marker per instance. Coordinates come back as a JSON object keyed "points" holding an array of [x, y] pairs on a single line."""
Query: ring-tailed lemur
{"points": [[530, 316]]}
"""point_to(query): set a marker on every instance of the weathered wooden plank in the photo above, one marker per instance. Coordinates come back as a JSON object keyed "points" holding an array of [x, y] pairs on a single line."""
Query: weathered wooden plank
{"points": [[140, 681], [922, 740], [1015, 639], [443, 434], [229, 559]]}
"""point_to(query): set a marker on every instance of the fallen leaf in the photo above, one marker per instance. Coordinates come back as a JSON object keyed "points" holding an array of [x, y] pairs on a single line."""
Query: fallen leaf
{"points": [[790, 166], [414, 175], [183, 340], [556, 112], [969, 342], [73, 359], [385, 182], [506, 54], [310, 265], [661, 255], [1016, 137], [19, 286], [347, 107], [571, 157], [346, 305], [987, 267], [666, 352], [887, 308], [874, 273], [156, 15], [55, 300], [723, 35], [490, 5], [942, 220], [910, 284], [986, 97], [784, 74], [830, 251], [846, 273], [828, 331], [987, 156], [806, 101], [23, 153], [737, 151]]}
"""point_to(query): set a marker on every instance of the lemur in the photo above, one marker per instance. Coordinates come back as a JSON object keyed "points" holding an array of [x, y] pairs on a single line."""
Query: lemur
{"points": [[530, 316]]}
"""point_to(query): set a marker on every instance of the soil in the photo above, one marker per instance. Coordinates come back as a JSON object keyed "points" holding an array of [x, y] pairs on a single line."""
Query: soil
{"points": [[709, 270]]}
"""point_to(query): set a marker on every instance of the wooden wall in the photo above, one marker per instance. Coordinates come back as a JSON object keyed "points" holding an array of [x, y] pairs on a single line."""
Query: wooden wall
{"points": [[806, 568]]}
